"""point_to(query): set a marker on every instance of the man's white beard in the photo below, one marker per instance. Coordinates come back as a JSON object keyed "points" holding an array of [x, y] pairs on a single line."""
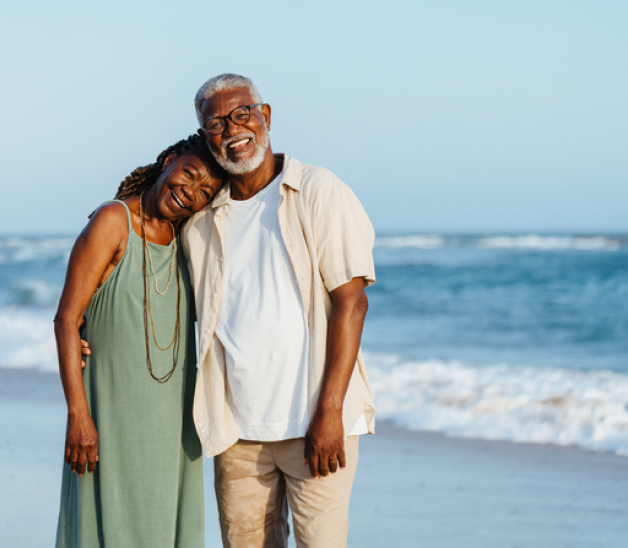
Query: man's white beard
{"points": [[248, 164]]}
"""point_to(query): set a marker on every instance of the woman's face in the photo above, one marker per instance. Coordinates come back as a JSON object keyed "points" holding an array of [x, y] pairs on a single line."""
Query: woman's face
{"points": [[186, 185]]}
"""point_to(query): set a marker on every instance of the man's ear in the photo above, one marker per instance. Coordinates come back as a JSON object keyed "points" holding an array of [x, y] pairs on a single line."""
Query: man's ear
{"points": [[266, 114]]}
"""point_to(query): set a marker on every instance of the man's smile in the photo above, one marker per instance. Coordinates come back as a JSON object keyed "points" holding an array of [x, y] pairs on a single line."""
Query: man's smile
{"points": [[239, 144]]}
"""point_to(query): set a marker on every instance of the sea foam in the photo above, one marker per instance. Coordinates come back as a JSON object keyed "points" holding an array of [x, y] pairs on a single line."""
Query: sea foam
{"points": [[503, 402], [27, 339]]}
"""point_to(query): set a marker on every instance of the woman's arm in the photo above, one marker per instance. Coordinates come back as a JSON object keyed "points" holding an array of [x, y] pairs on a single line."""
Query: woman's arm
{"points": [[96, 252]]}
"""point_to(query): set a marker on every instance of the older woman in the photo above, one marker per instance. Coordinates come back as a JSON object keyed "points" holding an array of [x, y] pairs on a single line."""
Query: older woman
{"points": [[130, 410]]}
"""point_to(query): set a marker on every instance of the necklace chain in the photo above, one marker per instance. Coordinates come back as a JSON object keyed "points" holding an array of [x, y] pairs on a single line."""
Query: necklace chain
{"points": [[147, 304], [150, 257]]}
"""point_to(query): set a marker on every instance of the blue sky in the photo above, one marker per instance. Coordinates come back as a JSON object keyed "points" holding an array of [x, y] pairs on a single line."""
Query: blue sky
{"points": [[441, 115]]}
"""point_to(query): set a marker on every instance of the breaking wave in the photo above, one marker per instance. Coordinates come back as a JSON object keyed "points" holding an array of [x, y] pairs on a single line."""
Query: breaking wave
{"points": [[502, 402]]}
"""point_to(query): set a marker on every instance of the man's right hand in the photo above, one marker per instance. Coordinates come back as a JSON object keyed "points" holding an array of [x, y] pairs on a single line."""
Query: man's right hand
{"points": [[85, 351]]}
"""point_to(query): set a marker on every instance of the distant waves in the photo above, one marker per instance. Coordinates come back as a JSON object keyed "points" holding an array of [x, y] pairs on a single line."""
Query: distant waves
{"points": [[519, 241], [32, 270], [16, 249]]}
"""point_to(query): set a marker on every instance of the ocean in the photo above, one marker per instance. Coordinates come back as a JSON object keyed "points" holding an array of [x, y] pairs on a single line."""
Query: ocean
{"points": [[520, 337]]}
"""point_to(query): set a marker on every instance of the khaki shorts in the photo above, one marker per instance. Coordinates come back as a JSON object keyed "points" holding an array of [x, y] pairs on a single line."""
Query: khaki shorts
{"points": [[255, 482]]}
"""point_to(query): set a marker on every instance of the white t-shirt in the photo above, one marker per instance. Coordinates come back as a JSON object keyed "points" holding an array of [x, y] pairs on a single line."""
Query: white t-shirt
{"points": [[262, 324]]}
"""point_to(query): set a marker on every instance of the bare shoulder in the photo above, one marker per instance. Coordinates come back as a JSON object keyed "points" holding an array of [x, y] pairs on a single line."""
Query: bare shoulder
{"points": [[96, 251], [110, 213], [108, 225], [109, 216]]}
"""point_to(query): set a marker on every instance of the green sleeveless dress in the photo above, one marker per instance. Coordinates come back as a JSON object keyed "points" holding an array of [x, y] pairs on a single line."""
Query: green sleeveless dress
{"points": [[147, 489]]}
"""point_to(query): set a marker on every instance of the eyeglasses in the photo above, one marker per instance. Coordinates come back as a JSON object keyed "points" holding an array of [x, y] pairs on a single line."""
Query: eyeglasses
{"points": [[239, 116]]}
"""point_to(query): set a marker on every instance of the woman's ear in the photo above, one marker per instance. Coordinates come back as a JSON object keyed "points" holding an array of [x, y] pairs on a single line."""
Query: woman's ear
{"points": [[169, 159]]}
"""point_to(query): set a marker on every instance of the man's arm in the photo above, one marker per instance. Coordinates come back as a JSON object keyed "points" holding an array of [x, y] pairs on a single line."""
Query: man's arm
{"points": [[324, 441]]}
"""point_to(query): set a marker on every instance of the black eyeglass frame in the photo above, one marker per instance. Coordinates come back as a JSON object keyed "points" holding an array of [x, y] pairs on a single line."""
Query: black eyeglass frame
{"points": [[224, 119]]}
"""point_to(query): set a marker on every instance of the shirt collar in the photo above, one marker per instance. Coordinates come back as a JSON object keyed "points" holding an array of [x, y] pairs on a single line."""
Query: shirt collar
{"points": [[291, 174], [222, 198]]}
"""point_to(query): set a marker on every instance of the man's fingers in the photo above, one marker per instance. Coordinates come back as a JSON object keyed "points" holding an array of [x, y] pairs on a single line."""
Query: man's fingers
{"points": [[342, 459], [313, 464], [324, 468], [333, 465], [85, 351]]}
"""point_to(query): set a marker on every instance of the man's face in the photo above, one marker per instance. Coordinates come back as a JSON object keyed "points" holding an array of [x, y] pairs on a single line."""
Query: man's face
{"points": [[238, 149]]}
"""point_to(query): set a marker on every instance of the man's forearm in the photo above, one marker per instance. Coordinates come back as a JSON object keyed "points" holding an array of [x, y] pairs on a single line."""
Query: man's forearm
{"points": [[350, 305], [324, 443]]}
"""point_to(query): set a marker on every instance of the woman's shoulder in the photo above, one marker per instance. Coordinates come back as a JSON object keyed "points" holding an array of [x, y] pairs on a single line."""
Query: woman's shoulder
{"points": [[117, 211], [103, 238], [110, 218]]}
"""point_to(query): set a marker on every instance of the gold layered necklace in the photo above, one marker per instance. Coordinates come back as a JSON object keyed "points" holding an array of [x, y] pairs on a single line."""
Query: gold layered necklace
{"points": [[148, 315]]}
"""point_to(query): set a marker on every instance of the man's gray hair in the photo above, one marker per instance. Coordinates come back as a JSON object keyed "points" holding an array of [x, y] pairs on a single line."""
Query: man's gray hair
{"points": [[223, 82]]}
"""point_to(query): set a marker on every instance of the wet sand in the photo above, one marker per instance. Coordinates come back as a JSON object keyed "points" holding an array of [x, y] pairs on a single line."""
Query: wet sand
{"points": [[412, 489]]}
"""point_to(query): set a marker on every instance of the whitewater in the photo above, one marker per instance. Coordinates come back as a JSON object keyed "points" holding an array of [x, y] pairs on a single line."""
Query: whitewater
{"points": [[518, 337]]}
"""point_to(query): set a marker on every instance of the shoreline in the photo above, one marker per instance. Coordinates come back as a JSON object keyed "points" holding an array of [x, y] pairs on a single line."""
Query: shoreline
{"points": [[412, 488]]}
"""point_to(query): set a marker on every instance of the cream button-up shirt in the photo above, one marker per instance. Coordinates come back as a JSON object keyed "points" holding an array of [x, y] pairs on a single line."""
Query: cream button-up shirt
{"points": [[329, 239]]}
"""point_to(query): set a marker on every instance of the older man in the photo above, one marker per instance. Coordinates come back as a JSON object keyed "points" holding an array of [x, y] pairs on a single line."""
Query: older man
{"points": [[279, 261]]}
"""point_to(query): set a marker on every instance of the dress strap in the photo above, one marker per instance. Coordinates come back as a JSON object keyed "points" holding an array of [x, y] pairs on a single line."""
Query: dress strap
{"points": [[127, 247], [128, 214], [130, 231]]}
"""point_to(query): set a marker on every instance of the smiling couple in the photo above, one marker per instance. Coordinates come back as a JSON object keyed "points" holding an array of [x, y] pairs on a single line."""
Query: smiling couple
{"points": [[277, 264]]}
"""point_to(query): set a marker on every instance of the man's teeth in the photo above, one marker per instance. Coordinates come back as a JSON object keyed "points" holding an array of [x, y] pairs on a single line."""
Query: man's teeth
{"points": [[176, 199], [238, 143]]}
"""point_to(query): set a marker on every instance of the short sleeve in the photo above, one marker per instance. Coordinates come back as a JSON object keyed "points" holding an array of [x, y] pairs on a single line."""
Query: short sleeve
{"points": [[344, 235]]}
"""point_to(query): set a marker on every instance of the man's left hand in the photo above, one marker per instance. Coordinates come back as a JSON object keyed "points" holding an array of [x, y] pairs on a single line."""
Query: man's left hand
{"points": [[324, 441], [324, 444]]}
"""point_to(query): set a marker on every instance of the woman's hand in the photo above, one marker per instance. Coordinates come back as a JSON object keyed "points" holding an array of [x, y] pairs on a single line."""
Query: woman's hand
{"points": [[81, 444]]}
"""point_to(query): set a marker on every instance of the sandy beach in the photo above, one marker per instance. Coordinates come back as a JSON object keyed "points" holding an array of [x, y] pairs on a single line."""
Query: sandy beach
{"points": [[412, 489]]}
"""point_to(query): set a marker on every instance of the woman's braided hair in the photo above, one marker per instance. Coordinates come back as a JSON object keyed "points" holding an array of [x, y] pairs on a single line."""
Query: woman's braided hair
{"points": [[144, 177]]}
